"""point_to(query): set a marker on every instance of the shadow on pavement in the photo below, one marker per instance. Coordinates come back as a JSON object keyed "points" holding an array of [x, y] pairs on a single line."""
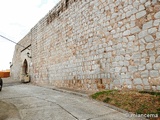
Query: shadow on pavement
{"points": [[9, 82], [8, 110]]}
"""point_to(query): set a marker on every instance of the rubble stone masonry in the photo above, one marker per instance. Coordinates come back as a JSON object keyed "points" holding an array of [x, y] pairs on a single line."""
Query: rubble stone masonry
{"points": [[95, 45]]}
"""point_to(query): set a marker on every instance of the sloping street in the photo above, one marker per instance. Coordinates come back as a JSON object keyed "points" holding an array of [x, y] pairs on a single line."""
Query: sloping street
{"points": [[29, 102]]}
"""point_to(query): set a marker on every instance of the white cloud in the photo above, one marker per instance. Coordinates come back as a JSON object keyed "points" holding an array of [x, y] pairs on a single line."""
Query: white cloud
{"points": [[17, 18]]}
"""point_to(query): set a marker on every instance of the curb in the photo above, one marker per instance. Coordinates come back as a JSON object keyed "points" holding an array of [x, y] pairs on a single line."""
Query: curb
{"points": [[128, 114], [70, 92]]}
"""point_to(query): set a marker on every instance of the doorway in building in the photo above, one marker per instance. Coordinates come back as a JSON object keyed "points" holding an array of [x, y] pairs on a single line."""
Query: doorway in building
{"points": [[25, 67], [25, 72]]}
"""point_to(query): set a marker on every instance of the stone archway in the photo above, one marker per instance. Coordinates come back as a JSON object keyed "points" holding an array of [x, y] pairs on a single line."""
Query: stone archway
{"points": [[25, 72], [25, 67]]}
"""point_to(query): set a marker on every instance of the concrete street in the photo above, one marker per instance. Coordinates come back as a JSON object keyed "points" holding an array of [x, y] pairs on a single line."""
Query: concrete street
{"points": [[29, 102]]}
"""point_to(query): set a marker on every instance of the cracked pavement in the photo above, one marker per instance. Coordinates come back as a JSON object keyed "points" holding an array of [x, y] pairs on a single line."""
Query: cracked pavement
{"points": [[40, 103]]}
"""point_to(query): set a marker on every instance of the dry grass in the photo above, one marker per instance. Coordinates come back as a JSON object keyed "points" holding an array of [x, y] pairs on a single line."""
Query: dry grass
{"points": [[137, 102]]}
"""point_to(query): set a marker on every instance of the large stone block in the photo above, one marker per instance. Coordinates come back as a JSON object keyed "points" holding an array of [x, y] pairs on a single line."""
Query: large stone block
{"points": [[124, 69], [145, 81], [147, 87], [158, 59], [127, 32], [143, 1], [157, 15], [149, 46], [152, 30], [143, 34], [158, 51], [147, 25], [135, 30], [158, 35], [141, 67], [141, 7], [137, 81], [154, 73], [147, 4], [149, 38], [139, 87], [149, 66], [140, 14], [136, 55], [144, 74], [132, 68]]}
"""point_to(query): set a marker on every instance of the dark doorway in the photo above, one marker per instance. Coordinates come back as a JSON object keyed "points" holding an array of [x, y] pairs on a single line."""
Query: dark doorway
{"points": [[25, 67]]}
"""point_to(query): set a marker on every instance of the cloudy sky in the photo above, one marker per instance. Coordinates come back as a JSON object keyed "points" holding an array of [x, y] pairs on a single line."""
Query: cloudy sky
{"points": [[17, 17]]}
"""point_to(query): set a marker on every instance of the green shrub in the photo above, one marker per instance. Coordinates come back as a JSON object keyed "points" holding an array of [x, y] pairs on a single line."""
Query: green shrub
{"points": [[150, 92], [107, 92], [107, 100]]}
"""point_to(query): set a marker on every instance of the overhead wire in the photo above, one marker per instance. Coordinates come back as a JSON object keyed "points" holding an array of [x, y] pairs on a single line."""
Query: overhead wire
{"points": [[11, 41]]}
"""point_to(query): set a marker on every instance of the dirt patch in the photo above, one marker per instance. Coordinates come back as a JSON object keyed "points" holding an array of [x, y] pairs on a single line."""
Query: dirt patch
{"points": [[141, 102], [8, 110]]}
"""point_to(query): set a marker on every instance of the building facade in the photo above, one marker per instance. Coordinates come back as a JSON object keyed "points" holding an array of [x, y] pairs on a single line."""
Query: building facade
{"points": [[94, 45]]}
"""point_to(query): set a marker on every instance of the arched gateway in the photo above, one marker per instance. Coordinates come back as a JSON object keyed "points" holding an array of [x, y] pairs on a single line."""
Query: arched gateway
{"points": [[25, 72], [25, 67]]}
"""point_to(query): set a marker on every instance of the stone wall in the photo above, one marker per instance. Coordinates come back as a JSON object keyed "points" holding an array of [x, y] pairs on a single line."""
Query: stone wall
{"points": [[98, 44], [19, 56]]}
